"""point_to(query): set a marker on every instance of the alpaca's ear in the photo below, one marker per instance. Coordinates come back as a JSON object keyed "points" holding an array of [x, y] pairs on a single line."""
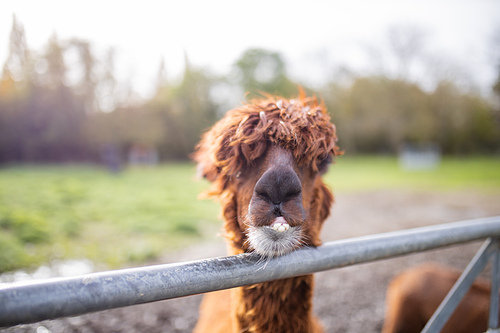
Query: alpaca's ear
{"points": [[204, 156], [212, 152], [207, 170], [320, 210], [326, 201]]}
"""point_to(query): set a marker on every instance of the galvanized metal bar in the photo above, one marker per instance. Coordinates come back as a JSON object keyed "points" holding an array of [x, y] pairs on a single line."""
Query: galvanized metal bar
{"points": [[100, 291], [495, 285], [458, 291]]}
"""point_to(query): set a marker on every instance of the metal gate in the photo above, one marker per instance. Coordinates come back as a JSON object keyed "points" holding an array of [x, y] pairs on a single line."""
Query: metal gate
{"points": [[63, 297]]}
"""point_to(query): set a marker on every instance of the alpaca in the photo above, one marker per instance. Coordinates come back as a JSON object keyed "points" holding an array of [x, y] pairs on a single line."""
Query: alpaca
{"points": [[414, 295], [265, 160]]}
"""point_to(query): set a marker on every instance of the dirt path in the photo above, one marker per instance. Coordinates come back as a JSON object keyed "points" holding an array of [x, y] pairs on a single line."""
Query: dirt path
{"points": [[350, 299]]}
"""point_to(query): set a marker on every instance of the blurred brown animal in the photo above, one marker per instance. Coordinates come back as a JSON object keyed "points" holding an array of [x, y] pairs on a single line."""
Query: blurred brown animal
{"points": [[414, 295], [266, 160]]}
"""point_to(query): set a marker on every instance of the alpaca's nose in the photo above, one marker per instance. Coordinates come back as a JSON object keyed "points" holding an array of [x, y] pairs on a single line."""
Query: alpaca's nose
{"points": [[278, 185]]}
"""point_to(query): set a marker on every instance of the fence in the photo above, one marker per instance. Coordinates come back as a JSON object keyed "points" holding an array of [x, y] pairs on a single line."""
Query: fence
{"points": [[100, 291]]}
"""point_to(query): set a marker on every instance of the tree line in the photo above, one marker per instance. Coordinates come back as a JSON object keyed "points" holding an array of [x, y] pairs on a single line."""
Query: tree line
{"points": [[63, 104]]}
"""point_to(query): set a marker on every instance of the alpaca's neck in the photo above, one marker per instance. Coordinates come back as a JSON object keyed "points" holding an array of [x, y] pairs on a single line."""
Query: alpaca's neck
{"points": [[276, 306]]}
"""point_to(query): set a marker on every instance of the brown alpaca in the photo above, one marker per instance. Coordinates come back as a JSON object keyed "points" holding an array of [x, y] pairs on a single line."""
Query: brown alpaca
{"points": [[414, 295], [265, 160]]}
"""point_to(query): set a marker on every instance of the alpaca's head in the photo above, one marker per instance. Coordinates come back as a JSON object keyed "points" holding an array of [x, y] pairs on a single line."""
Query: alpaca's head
{"points": [[266, 160]]}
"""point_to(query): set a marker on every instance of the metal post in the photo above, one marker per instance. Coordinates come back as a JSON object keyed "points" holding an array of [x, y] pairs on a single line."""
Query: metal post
{"points": [[495, 280], [458, 291]]}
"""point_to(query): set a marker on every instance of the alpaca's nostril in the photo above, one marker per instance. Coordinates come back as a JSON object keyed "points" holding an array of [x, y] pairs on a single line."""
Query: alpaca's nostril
{"points": [[277, 210]]}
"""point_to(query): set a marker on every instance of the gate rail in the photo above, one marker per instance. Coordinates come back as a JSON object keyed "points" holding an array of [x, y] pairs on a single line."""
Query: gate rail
{"points": [[63, 297]]}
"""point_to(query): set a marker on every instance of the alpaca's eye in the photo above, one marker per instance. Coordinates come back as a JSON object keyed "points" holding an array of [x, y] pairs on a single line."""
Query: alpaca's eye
{"points": [[324, 163]]}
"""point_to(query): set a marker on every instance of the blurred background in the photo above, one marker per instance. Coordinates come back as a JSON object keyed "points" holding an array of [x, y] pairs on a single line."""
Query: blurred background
{"points": [[101, 104], [82, 82], [122, 83]]}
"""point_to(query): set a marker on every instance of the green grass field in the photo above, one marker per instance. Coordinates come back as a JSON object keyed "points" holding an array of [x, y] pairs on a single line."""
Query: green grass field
{"points": [[63, 212], [59, 212], [362, 173]]}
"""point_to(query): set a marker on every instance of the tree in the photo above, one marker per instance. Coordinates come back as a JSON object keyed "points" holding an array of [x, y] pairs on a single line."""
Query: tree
{"points": [[44, 123], [495, 56], [106, 88], [85, 86], [187, 109], [16, 86], [259, 70], [406, 44], [19, 64], [465, 122], [377, 114]]}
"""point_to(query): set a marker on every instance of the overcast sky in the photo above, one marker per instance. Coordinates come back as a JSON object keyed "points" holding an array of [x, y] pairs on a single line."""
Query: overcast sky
{"points": [[315, 37]]}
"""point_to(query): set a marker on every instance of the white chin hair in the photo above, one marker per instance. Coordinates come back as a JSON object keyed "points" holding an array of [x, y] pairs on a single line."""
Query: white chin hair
{"points": [[270, 243]]}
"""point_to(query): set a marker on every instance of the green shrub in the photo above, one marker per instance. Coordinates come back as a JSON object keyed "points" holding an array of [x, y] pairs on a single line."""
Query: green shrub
{"points": [[186, 229], [13, 254], [28, 227]]}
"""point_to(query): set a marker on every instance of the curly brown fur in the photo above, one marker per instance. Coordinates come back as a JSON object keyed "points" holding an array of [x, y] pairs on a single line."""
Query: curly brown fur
{"points": [[235, 142], [414, 295], [265, 160]]}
